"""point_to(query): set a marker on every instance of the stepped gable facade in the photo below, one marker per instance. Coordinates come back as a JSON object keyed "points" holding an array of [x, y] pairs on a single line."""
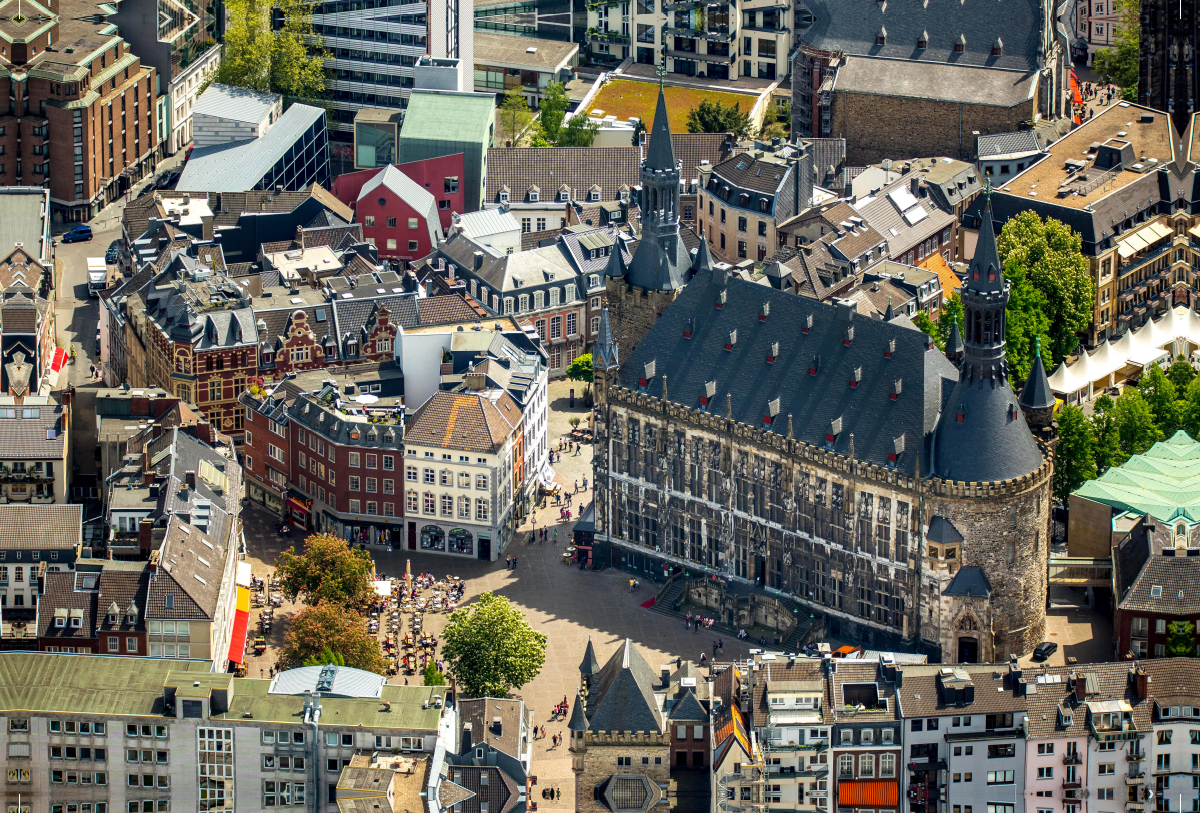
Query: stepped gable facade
{"points": [[840, 460]]}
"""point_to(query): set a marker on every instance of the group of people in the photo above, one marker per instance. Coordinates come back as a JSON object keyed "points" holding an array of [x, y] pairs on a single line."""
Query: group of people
{"points": [[510, 562], [699, 621], [1104, 95]]}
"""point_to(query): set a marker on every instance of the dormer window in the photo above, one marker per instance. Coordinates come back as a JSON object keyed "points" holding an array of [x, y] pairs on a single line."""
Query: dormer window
{"points": [[772, 352], [855, 377], [998, 47], [835, 429], [534, 194], [504, 197], [594, 194], [895, 394], [961, 45], [923, 40], [564, 194]]}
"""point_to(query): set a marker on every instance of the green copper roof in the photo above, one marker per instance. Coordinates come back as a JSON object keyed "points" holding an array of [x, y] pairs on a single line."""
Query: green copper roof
{"points": [[1164, 482], [434, 115]]}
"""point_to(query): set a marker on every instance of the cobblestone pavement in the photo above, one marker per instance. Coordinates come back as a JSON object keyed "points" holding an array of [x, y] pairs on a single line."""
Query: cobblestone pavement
{"points": [[568, 605]]}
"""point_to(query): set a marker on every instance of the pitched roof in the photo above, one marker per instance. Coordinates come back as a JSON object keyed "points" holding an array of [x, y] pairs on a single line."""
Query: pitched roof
{"points": [[41, 527], [1054, 691], [622, 694], [824, 401], [1163, 482], [578, 721], [1166, 585], [829, 162], [409, 191], [660, 153], [467, 421], [590, 665], [445, 309], [548, 168], [969, 581], [481, 714], [191, 567], [1036, 393], [998, 145], [34, 438], [688, 708]]}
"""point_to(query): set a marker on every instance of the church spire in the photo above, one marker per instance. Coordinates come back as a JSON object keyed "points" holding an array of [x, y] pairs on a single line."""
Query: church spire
{"points": [[661, 154], [604, 357], [985, 296]]}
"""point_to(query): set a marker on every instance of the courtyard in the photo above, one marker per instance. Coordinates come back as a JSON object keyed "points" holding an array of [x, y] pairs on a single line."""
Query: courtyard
{"points": [[567, 604]]}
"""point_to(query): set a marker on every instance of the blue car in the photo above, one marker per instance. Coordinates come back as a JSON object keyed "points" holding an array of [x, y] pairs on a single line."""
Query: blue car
{"points": [[78, 234]]}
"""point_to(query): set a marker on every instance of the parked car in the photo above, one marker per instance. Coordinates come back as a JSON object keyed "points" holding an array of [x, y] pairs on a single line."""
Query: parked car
{"points": [[1044, 650], [78, 234], [114, 252]]}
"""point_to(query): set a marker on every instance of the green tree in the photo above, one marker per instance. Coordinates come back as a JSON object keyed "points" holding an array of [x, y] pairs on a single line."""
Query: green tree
{"points": [[1189, 409], [1181, 640], [579, 131], [713, 117], [1119, 65], [1104, 429], [537, 136], [581, 369], [1075, 454], [246, 59], [324, 657], [1050, 254], [329, 570], [289, 61], [490, 648], [1159, 393], [952, 310], [297, 58], [553, 107], [639, 127], [430, 676], [1181, 375], [1026, 321], [1133, 421], [328, 627], [514, 113]]}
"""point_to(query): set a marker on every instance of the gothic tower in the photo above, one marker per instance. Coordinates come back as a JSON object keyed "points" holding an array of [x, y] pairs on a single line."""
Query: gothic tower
{"points": [[989, 496], [1167, 75], [639, 294]]}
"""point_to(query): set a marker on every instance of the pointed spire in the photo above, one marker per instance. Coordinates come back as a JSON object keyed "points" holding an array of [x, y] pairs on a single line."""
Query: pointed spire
{"points": [[604, 357], [615, 267], [578, 721], [985, 273], [590, 665], [704, 260], [954, 345], [661, 154], [889, 314], [1036, 393]]}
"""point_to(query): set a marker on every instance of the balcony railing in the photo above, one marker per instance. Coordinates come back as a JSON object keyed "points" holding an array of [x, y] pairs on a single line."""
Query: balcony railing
{"points": [[607, 36], [1135, 777], [1127, 731], [1135, 756], [1073, 759], [1072, 784], [714, 34]]}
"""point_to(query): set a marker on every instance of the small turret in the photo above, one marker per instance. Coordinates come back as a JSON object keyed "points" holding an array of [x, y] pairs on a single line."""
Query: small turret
{"points": [[954, 345]]}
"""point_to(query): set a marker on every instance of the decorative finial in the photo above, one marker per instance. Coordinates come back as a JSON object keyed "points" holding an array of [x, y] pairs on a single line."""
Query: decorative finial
{"points": [[987, 190], [661, 70], [1037, 347]]}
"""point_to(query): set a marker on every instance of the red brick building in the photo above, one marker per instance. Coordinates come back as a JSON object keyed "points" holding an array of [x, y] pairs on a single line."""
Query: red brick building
{"points": [[94, 612], [441, 176], [77, 110]]}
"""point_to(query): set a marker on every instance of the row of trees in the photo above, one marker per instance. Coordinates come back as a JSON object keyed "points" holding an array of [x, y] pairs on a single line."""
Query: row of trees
{"points": [[289, 61], [548, 130], [1051, 298], [487, 644], [1161, 404]]}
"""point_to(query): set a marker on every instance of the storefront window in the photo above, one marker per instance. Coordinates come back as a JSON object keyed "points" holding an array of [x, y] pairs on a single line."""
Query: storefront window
{"points": [[461, 542], [433, 538]]}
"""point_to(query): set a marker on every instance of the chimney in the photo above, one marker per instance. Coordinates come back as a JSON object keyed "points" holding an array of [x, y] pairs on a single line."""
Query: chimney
{"points": [[665, 671], [449, 271], [148, 477], [915, 184], [144, 541], [206, 226], [466, 738], [189, 477], [1142, 681], [1080, 688], [152, 562], [478, 260]]}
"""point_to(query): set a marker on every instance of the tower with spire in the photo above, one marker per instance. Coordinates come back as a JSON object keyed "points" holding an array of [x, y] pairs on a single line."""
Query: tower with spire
{"points": [[639, 293]]}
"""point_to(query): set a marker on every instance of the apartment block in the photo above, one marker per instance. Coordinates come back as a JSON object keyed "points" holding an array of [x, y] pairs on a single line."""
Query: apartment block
{"points": [[72, 83]]}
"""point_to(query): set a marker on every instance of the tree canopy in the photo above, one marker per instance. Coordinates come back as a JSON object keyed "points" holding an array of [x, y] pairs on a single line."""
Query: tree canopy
{"points": [[514, 113], [490, 648], [579, 131], [328, 570], [328, 628], [713, 117], [290, 61], [553, 107], [1052, 289], [1075, 454], [581, 369]]}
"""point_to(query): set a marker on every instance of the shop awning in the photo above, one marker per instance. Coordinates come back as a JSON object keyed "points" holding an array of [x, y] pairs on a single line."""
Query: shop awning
{"points": [[60, 358], [878, 793], [241, 622], [297, 505], [546, 476]]}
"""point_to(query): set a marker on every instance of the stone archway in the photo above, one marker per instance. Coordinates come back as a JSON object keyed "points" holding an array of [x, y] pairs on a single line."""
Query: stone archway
{"points": [[967, 639]]}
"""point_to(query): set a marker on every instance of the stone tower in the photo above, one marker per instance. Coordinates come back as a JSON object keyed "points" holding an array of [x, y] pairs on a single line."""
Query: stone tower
{"points": [[989, 493], [639, 294]]}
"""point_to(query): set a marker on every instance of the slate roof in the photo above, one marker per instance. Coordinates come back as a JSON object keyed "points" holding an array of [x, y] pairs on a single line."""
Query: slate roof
{"points": [[824, 403], [467, 421], [829, 162], [60, 594], [1022, 142], [24, 438], [480, 712], [942, 531], [855, 672], [1036, 393], [41, 527], [1175, 576], [693, 148], [688, 709], [191, 566], [920, 694], [764, 175], [660, 153], [1042, 720], [852, 26], [969, 581], [622, 694], [444, 310], [578, 721]]}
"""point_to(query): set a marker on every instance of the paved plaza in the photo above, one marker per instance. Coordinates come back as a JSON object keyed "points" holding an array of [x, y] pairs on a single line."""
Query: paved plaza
{"points": [[565, 603]]}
